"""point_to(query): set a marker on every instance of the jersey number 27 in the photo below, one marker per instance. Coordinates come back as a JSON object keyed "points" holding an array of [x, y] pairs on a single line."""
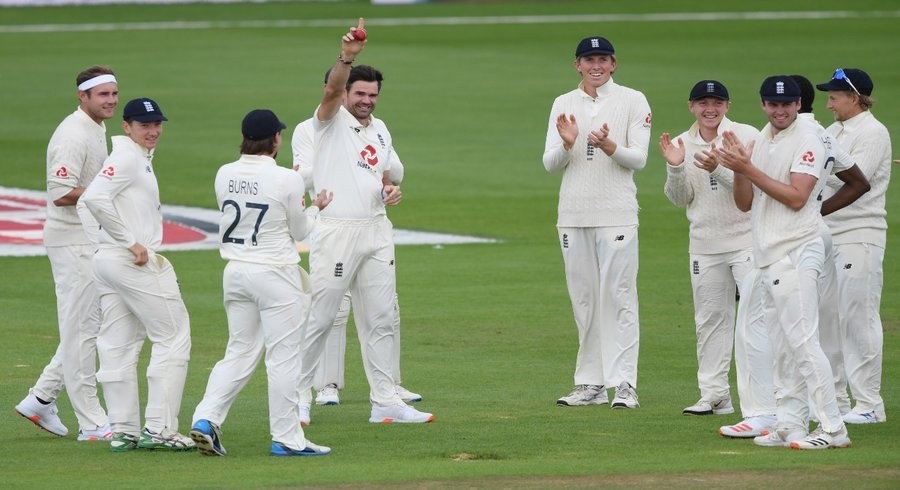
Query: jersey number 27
{"points": [[227, 238]]}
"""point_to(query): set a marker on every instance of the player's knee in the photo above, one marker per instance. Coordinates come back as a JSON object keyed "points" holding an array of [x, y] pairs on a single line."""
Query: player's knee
{"points": [[115, 375]]}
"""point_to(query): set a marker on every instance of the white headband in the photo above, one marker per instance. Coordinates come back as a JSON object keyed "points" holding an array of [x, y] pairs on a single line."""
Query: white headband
{"points": [[98, 80]]}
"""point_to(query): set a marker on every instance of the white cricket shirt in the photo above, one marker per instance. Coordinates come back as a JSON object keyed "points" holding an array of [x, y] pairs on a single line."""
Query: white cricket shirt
{"points": [[124, 197], [74, 155], [350, 160], [777, 229], [262, 211], [303, 149]]}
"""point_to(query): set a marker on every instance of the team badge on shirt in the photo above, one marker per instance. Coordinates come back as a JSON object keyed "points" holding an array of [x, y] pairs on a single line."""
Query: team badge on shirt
{"points": [[369, 155], [808, 159], [109, 171], [62, 172]]}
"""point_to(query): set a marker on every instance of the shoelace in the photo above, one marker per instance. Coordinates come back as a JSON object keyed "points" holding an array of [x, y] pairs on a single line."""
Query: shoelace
{"points": [[819, 432]]}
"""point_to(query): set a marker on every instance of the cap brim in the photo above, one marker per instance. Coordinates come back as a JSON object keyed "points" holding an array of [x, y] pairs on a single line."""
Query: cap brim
{"points": [[595, 51], [150, 118], [708, 95], [833, 85], [781, 98]]}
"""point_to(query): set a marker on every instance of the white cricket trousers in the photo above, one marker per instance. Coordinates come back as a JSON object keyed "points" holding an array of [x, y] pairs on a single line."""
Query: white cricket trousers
{"points": [[802, 372], [354, 255], [754, 358], [266, 309], [139, 302], [74, 365], [331, 366], [830, 334], [860, 281], [714, 279], [601, 266]]}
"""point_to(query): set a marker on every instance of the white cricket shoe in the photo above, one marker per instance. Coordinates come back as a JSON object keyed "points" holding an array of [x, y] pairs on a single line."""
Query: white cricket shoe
{"points": [[166, 439], [819, 439], [328, 395], [780, 438], [750, 427], [311, 449], [704, 407], [303, 409], [44, 416], [862, 418], [584, 395], [401, 414], [99, 434], [406, 395], [626, 396]]}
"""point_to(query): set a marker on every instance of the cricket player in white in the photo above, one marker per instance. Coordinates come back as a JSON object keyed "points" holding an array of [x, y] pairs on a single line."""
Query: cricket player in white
{"points": [[329, 377], [720, 240], [852, 184], [266, 299], [74, 155], [353, 246], [754, 357], [859, 232], [138, 289], [598, 135], [775, 177]]}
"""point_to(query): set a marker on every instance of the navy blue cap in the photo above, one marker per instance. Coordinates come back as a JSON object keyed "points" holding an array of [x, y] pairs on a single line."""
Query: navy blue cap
{"points": [[143, 110], [260, 124], [709, 88], [594, 45], [839, 81], [779, 88]]}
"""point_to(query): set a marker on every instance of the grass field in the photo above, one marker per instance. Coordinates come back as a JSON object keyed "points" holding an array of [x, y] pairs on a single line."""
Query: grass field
{"points": [[488, 335]]}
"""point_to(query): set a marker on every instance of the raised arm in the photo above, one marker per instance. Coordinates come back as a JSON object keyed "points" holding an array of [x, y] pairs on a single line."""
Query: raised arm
{"points": [[793, 194], [337, 78]]}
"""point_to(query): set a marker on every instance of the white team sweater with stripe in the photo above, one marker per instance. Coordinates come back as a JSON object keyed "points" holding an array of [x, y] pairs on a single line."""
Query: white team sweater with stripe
{"points": [[596, 189], [717, 225], [869, 145]]}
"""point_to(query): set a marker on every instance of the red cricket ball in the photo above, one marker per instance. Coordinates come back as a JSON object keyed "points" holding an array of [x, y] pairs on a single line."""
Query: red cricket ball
{"points": [[359, 34]]}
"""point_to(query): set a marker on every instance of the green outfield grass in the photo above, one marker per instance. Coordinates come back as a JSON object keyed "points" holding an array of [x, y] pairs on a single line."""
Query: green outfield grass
{"points": [[488, 335]]}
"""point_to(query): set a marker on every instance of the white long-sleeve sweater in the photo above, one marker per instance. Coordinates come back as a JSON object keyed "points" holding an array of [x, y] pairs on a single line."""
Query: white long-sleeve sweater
{"points": [[596, 189], [869, 145], [717, 225]]}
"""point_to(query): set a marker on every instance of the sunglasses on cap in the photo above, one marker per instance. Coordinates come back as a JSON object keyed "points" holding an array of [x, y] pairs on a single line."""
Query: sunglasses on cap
{"points": [[840, 75]]}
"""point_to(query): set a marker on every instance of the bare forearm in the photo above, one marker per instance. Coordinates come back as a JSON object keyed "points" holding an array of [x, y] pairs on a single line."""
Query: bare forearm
{"points": [[854, 185], [790, 195], [334, 89]]}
